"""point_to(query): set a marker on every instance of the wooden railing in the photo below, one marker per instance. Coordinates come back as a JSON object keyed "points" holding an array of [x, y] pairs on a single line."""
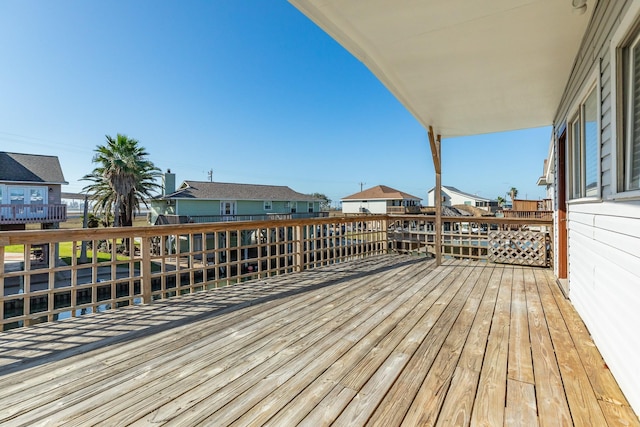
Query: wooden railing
{"points": [[200, 219], [47, 275], [402, 210], [512, 241], [53, 277], [23, 214], [528, 214]]}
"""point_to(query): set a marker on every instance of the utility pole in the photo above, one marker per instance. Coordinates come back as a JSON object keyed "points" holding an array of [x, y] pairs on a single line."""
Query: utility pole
{"points": [[210, 175], [361, 184]]}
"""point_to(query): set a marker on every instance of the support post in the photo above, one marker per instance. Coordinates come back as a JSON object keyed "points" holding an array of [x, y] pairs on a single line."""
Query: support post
{"points": [[85, 224], [298, 258], [435, 144], [145, 266]]}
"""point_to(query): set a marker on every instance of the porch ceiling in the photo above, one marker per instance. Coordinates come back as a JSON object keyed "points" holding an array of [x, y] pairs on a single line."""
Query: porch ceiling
{"points": [[463, 67]]}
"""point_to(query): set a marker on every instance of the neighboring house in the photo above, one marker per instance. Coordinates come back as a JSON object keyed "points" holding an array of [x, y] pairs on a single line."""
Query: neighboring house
{"points": [[451, 196], [570, 64], [381, 200], [204, 201], [30, 190], [546, 180]]}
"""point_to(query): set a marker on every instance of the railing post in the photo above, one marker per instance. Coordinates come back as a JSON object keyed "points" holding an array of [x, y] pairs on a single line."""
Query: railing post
{"points": [[145, 265], [437, 194], [2, 244], [297, 248], [385, 234]]}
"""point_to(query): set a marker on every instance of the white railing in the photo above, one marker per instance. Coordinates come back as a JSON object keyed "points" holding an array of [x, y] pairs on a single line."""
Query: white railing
{"points": [[24, 214]]}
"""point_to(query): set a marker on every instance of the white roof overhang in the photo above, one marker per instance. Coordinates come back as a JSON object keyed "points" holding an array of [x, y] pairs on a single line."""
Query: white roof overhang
{"points": [[462, 66]]}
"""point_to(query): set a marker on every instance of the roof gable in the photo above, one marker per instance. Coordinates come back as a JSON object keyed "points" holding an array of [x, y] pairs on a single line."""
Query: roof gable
{"points": [[18, 167], [461, 193], [206, 190], [381, 192]]}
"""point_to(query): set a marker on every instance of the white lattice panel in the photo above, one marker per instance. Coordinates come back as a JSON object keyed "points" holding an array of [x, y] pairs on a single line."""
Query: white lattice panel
{"points": [[518, 247]]}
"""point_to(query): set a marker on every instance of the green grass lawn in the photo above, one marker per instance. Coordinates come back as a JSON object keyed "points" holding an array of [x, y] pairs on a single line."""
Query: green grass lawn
{"points": [[65, 251]]}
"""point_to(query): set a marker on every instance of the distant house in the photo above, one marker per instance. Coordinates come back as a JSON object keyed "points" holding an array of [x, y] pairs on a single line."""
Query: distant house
{"points": [[547, 177], [30, 191], [381, 200], [204, 201], [451, 196]]}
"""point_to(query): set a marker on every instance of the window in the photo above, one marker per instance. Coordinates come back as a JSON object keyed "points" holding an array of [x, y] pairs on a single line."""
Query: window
{"points": [[38, 196], [227, 208], [310, 207], [631, 149], [268, 205], [294, 207], [16, 196], [583, 148]]}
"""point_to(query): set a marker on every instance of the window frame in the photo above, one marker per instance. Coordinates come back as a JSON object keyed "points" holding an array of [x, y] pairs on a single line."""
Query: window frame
{"points": [[268, 205], [624, 37], [576, 150], [233, 207], [627, 140]]}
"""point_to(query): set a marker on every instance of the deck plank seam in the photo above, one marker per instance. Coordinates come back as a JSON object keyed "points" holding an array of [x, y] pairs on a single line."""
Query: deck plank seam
{"points": [[390, 273]]}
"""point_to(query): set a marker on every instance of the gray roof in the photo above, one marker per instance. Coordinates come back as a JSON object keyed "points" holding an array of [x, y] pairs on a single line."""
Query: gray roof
{"points": [[17, 167], [206, 190]]}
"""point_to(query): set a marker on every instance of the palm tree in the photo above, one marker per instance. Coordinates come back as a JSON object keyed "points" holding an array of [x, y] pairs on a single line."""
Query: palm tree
{"points": [[501, 201], [514, 193], [122, 178]]}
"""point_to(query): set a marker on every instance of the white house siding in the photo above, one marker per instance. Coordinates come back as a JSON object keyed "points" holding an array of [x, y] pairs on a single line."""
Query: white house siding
{"points": [[370, 206], [460, 200], [604, 271], [452, 198], [604, 235]]}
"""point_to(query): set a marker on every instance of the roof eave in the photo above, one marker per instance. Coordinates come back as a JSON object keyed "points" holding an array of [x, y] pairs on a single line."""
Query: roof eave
{"points": [[521, 53]]}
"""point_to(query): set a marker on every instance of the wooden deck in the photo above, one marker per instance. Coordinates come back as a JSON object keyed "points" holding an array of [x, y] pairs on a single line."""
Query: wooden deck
{"points": [[385, 341]]}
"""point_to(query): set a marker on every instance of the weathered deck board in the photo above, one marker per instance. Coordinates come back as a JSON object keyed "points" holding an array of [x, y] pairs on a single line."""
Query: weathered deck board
{"points": [[386, 341], [488, 408]]}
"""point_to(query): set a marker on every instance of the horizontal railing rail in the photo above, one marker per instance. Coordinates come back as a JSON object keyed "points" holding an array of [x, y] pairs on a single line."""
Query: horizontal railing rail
{"points": [[48, 275], [403, 210], [199, 219], [24, 214]]}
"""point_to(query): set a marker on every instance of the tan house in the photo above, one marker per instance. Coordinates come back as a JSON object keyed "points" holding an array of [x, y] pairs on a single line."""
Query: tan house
{"points": [[381, 200]]}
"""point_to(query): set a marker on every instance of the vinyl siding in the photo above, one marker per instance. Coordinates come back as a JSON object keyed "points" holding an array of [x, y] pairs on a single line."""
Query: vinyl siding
{"points": [[372, 206], [604, 235], [604, 272]]}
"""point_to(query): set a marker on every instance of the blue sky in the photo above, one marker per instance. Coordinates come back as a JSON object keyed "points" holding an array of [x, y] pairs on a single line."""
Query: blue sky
{"points": [[251, 89]]}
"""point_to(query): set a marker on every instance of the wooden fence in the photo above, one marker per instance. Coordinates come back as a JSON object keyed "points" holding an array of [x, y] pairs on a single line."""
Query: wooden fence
{"points": [[47, 275], [503, 240]]}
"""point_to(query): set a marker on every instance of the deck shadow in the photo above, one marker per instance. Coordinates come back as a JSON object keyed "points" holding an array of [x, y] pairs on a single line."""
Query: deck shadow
{"points": [[26, 348]]}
